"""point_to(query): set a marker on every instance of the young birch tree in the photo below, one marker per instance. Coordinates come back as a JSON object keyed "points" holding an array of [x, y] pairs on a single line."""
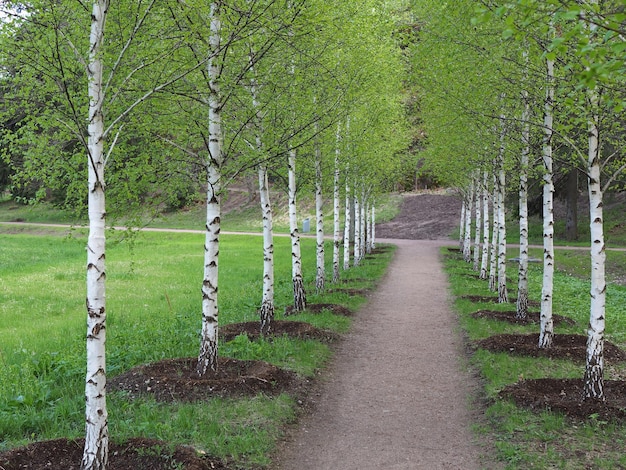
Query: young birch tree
{"points": [[546, 323], [95, 453]]}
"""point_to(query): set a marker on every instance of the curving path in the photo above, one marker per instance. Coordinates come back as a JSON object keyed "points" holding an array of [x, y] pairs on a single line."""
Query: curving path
{"points": [[398, 396]]}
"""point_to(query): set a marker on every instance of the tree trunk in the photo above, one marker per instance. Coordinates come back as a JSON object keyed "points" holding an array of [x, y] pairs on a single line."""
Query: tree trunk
{"points": [[373, 226], [299, 294], [478, 223], [467, 241], [336, 213], [503, 296], [485, 255], [267, 302], [546, 323], [593, 387], [207, 358], [571, 217], [522, 278], [346, 229], [363, 221], [319, 217], [96, 450], [462, 226], [357, 231], [493, 286]]}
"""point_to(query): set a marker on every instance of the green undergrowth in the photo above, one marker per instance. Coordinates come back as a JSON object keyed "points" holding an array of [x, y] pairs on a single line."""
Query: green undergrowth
{"points": [[153, 313], [543, 440]]}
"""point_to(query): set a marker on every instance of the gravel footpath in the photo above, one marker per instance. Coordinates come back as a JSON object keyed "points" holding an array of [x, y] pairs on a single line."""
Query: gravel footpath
{"points": [[398, 394]]}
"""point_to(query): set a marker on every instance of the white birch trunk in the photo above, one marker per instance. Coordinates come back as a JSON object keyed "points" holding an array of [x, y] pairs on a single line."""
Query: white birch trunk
{"points": [[546, 323], [357, 232], [267, 302], [373, 227], [319, 216], [593, 387], [522, 278], [363, 221], [493, 264], [207, 357], [478, 223], [467, 241], [336, 212], [462, 226], [485, 254], [503, 296], [346, 229], [368, 236], [299, 295], [96, 449]]}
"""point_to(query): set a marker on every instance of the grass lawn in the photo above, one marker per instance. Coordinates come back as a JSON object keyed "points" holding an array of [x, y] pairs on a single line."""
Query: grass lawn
{"points": [[153, 306], [546, 440]]}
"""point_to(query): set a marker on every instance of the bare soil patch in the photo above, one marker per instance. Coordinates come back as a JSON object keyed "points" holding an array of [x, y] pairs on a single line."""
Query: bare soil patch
{"points": [[423, 217], [136, 454], [531, 317], [565, 346], [319, 308], [565, 396], [293, 329], [177, 380]]}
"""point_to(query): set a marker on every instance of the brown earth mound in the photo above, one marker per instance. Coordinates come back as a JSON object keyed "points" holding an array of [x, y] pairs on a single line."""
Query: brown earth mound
{"points": [[564, 346], [423, 217], [136, 454], [293, 329], [177, 380], [491, 298], [532, 317], [565, 396], [319, 308]]}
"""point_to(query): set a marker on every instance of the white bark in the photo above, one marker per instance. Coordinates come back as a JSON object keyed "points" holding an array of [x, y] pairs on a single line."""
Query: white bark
{"points": [[462, 226], [267, 302], [478, 223], [493, 264], [546, 323], [522, 278], [346, 229], [336, 212], [357, 232], [373, 226], [95, 452], [207, 357], [363, 221], [299, 295], [593, 387], [467, 241], [503, 296], [319, 217], [485, 254], [368, 236]]}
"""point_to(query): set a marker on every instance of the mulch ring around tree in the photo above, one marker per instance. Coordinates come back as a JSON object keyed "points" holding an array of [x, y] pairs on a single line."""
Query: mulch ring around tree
{"points": [[177, 380], [135, 454], [491, 298], [565, 346], [565, 396], [531, 317], [319, 308], [293, 329]]}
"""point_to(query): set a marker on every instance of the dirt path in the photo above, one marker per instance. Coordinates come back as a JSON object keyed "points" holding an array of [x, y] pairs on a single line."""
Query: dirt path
{"points": [[398, 394]]}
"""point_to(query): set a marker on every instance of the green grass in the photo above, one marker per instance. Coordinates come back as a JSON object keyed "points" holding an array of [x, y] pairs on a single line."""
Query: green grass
{"points": [[153, 305], [244, 219], [546, 440]]}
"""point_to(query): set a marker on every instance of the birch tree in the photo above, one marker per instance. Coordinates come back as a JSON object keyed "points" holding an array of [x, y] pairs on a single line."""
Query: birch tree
{"points": [[95, 453], [546, 323]]}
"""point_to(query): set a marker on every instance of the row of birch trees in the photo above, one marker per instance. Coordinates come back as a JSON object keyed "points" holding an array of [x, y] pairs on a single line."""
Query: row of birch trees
{"points": [[164, 96], [515, 91]]}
